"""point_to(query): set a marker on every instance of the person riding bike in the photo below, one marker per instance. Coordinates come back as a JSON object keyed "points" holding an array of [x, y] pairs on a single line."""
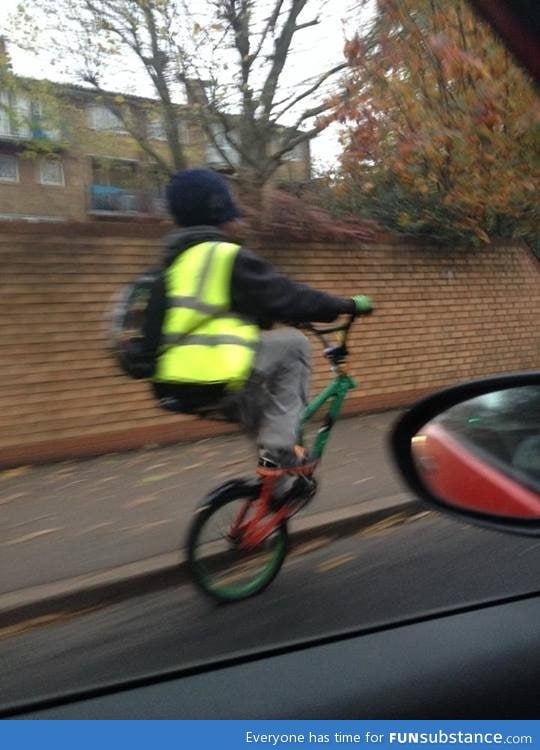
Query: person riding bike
{"points": [[209, 321]]}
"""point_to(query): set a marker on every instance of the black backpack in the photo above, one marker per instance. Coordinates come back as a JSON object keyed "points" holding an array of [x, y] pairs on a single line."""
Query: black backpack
{"points": [[126, 327]]}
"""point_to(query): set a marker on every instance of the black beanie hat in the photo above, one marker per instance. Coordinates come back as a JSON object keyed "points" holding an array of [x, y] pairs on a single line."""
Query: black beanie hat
{"points": [[200, 197]]}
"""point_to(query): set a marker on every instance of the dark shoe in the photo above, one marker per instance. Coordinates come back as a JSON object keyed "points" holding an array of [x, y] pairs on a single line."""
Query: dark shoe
{"points": [[296, 496], [285, 461], [291, 487]]}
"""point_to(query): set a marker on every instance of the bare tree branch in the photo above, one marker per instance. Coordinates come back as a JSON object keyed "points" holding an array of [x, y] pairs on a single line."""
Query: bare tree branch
{"points": [[275, 160], [157, 67], [270, 26], [312, 89], [179, 43], [281, 48], [240, 24], [306, 25]]}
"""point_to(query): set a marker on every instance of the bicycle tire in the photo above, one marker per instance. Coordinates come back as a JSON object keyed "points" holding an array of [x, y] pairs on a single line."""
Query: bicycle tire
{"points": [[218, 567]]}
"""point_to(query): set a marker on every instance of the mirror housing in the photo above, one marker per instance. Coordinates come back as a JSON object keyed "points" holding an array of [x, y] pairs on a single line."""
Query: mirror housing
{"points": [[450, 450]]}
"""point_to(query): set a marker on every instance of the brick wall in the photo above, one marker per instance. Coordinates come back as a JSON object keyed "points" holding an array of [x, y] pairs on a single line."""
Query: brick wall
{"points": [[441, 318]]}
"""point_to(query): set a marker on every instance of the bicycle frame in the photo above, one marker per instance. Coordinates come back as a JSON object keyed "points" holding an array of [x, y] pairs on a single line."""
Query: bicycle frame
{"points": [[256, 529], [336, 393]]}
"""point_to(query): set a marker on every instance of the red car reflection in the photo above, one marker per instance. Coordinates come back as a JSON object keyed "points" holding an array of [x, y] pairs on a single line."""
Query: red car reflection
{"points": [[462, 478]]}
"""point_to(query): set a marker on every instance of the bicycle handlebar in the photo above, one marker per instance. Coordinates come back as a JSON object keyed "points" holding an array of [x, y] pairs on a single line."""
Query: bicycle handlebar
{"points": [[344, 328], [332, 329], [322, 332]]}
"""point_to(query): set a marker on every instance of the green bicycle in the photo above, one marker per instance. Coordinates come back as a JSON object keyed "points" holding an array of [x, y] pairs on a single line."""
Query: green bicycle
{"points": [[237, 541]]}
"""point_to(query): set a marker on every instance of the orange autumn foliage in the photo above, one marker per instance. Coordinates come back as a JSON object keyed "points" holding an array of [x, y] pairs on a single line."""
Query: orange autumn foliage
{"points": [[443, 126]]}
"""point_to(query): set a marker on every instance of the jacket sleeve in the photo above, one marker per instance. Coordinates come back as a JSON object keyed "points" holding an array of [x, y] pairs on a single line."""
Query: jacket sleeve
{"points": [[260, 292]]}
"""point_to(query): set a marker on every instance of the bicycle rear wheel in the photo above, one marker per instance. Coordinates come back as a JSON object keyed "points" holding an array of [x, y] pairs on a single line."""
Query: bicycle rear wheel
{"points": [[219, 566]]}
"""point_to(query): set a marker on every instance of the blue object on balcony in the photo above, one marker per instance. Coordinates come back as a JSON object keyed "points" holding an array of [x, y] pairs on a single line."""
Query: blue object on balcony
{"points": [[109, 198]]}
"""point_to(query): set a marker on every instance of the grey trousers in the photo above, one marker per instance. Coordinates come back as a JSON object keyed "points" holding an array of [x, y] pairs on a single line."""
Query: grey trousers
{"points": [[270, 405]]}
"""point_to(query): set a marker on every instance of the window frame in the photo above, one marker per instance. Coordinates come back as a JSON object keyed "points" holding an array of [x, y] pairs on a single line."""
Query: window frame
{"points": [[5, 116], [92, 110], [41, 165], [213, 154], [15, 161], [155, 129], [296, 155], [16, 115], [155, 124]]}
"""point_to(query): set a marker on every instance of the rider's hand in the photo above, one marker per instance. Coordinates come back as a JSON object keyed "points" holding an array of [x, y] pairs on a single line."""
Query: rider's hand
{"points": [[362, 304]]}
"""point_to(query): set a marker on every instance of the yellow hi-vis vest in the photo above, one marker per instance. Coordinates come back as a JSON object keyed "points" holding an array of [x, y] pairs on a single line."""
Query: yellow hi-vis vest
{"points": [[202, 341]]}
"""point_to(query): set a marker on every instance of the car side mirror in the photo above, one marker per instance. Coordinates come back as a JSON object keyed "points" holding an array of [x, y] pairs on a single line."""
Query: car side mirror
{"points": [[474, 450]]}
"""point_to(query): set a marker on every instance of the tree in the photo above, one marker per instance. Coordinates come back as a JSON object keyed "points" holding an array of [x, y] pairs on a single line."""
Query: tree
{"points": [[442, 126], [230, 57]]}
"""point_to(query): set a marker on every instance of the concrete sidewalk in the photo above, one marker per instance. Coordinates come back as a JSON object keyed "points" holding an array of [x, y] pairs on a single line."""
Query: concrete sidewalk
{"points": [[100, 523]]}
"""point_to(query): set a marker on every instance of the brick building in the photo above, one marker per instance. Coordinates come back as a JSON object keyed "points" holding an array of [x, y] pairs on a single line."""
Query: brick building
{"points": [[65, 155]]}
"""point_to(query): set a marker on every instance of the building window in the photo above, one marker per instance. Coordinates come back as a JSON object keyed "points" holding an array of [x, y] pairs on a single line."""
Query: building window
{"points": [[5, 111], [45, 124], [15, 115], [100, 117], [156, 130], [221, 151], [115, 185], [9, 168], [23, 118], [51, 172], [296, 154]]}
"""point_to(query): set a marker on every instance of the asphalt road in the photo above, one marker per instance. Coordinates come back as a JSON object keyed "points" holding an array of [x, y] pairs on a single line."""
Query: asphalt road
{"points": [[86, 517], [391, 571]]}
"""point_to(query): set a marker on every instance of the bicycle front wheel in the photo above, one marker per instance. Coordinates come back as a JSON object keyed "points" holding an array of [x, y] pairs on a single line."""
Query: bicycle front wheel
{"points": [[220, 567]]}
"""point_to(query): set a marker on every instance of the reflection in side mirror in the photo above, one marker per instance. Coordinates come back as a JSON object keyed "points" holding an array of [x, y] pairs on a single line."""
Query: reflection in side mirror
{"points": [[484, 454], [476, 450]]}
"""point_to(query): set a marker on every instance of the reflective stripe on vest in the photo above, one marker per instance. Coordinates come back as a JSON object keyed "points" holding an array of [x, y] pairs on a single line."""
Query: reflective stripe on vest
{"points": [[202, 341]]}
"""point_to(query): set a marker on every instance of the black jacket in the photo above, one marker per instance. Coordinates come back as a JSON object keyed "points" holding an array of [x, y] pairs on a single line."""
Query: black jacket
{"points": [[258, 291]]}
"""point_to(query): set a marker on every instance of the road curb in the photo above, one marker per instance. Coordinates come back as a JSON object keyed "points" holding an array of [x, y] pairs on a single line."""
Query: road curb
{"points": [[164, 571]]}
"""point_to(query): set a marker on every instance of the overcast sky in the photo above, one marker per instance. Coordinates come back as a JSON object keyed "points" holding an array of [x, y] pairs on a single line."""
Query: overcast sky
{"points": [[317, 48]]}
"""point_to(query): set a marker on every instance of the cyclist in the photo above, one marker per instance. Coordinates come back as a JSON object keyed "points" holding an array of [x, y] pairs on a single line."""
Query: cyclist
{"points": [[208, 322]]}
